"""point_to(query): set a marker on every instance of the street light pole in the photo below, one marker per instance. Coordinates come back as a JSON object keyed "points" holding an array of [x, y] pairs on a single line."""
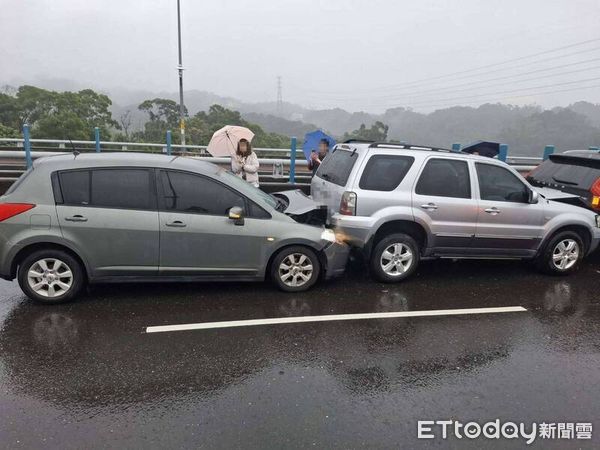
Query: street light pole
{"points": [[180, 70]]}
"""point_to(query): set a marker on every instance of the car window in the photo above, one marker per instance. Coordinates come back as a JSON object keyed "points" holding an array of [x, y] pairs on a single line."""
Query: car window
{"points": [[385, 172], [337, 166], [499, 184], [75, 187], [445, 178], [121, 188], [190, 193]]}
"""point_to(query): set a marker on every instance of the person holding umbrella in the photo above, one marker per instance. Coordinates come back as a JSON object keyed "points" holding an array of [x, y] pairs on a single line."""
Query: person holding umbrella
{"points": [[234, 141], [317, 158], [245, 162]]}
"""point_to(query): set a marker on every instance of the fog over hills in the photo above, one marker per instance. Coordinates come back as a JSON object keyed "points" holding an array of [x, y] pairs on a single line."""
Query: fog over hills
{"points": [[525, 128]]}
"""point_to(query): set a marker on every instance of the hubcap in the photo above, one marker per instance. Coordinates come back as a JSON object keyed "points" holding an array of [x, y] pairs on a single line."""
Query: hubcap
{"points": [[50, 277], [396, 259], [565, 254], [295, 270]]}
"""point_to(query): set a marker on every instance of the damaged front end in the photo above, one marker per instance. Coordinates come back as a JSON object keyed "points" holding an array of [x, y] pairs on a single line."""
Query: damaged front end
{"points": [[302, 208]]}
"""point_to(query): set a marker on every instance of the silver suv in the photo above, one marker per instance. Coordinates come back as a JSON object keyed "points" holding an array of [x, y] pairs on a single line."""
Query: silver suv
{"points": [[73, 219], [403, 203]]}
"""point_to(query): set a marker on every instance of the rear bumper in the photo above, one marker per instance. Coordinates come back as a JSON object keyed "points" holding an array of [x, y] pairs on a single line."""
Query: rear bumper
{"points": [[355, 230], [336, 256]]}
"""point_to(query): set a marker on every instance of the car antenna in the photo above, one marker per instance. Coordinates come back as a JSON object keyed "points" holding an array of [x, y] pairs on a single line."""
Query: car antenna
{"points": [[75, 152]]}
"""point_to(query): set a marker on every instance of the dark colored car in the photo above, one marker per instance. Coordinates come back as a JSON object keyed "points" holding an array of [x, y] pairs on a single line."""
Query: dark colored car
{"points": [[575, 172]]}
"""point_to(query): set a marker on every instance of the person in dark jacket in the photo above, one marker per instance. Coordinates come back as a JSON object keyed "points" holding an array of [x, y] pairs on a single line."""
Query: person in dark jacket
{"points": [[316, 158]]}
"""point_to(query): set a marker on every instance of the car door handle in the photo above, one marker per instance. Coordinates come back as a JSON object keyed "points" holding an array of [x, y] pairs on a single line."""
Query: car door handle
{"points": [[76, 218], [493, 211], [176, 223], [430, 206]]}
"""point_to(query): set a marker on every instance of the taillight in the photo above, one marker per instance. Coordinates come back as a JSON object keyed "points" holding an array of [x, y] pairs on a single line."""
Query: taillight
{"points": [[8, 210], [348, 204], [595, 191]]}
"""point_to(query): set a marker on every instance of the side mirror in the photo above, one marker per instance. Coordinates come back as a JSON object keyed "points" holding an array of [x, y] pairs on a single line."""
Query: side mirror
{"points": [[237, 215], [534, 197]]}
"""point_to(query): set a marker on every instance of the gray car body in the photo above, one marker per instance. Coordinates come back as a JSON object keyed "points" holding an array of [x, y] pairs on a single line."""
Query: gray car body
{"points": [[131, 245], [457, 227]]}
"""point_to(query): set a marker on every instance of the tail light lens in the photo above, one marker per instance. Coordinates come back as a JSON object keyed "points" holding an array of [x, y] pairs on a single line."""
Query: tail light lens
{"points": [[8, 210], [348, 204], [595, 191]]}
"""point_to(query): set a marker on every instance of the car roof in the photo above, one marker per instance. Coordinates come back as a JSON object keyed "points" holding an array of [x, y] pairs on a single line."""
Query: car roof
{"points": [[127, 159], [354, 145]]}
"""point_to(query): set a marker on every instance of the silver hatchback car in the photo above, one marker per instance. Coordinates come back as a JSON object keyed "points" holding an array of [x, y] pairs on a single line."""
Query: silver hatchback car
{"points": [[403, 203], [80, 218]]}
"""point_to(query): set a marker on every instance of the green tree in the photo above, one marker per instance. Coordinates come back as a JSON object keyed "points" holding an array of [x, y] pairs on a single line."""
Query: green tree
{"points": [[201, 127], [8, 132], [63, 125], [377, 132], [9, 111], [58, 115], [164, 115]]}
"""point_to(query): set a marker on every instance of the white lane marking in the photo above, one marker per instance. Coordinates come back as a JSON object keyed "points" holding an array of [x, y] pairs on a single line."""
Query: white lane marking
{"points": [[304, 319]]}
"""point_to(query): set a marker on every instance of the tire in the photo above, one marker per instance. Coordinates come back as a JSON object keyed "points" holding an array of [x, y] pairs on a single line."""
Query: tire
{"points": [[295, 269], [565, 249], [55, 284], [399, 253]]}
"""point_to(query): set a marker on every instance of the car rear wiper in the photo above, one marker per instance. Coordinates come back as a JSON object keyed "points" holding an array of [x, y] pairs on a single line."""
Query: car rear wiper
{"points": [[564, 182]]}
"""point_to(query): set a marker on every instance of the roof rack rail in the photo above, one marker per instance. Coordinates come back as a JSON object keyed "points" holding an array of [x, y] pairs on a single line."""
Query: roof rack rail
{"points": [[358, 141], [404, 145]]}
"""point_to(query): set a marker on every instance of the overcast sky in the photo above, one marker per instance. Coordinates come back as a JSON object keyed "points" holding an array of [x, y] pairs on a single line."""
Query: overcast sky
{"points": [[355, 54]]}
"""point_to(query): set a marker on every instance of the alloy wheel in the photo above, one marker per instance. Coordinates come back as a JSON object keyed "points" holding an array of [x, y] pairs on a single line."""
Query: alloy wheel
{"points": [[396, 259], [50, 277], [295, 270], [565, 254]]}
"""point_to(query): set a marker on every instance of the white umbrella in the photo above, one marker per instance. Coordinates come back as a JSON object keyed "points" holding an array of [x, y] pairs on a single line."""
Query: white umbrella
{"points": [[224, 141]]}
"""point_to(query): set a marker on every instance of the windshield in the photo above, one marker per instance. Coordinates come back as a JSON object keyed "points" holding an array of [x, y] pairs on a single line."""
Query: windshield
{"points": [[246, 188]]}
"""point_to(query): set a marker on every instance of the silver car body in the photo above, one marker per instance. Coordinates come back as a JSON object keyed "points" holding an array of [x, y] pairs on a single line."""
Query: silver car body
{"points": [[142, 244], [453, 227]]}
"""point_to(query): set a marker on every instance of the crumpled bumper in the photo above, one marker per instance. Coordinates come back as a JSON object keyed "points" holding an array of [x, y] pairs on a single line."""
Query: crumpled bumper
{"points": [[336, 256]]}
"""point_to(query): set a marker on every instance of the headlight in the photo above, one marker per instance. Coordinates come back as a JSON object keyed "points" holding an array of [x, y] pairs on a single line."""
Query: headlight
{"points": [[328, 235], [598, 220]]}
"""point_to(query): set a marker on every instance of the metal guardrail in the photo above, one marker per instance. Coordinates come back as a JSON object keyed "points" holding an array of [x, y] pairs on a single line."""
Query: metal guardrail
{"points": [[270, 156], [125, 146], [217, 160]]}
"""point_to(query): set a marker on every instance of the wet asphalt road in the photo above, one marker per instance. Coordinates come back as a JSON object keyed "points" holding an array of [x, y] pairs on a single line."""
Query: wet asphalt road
{"points": [[86, 375]]}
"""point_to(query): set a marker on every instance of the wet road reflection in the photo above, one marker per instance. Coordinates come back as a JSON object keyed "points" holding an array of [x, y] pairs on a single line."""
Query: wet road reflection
{"points": [[90, 367]]}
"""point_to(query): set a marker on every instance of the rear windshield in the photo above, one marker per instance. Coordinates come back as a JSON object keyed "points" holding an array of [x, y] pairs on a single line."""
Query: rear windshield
{"points": [[554, 173], [336, 167]]}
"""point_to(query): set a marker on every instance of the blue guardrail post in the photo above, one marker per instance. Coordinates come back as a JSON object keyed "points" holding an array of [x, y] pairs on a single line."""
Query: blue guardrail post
{"points": [[293, 160], [548, 150], [97, 138], [503, 152], [456, 147], [27, 145], [168, 142]]}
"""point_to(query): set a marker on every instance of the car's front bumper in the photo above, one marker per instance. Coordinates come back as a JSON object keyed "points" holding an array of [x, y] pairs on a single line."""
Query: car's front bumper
{"points": [[336, 256]]}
